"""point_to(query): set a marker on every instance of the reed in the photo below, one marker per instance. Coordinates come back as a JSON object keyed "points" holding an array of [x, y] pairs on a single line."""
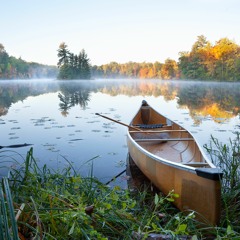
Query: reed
{"points": [[8, 224], [227, 157]]}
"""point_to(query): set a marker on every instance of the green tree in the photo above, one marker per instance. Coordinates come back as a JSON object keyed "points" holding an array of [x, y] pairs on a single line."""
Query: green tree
{"points": [[83, 65], [3, 61], [200, 44], [63, 55], [191, 63], [11, 67], [73, 66]]}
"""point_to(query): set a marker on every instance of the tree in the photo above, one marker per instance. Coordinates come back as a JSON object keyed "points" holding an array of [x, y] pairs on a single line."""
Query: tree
{"points": [[4, 58], [73, 66], [205, 61], [83, 65], [169, 69], [227, 54], [199, 44], [63, 55]]}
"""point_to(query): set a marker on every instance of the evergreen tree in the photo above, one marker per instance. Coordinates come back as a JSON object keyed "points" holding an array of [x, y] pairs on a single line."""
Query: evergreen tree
{"points": [[84, 65], [73, 66], [63, 55]]}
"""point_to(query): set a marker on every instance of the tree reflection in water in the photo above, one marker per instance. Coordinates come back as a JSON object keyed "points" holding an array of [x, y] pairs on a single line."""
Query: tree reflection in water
{"points": [[71, 96]]}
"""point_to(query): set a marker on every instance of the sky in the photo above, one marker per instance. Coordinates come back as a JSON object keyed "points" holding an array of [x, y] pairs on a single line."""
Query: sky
{"points": [[114, 30]]}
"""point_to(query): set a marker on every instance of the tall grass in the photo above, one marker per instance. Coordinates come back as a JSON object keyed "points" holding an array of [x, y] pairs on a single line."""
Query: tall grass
{"points": [[62, 204], [227, 157]]}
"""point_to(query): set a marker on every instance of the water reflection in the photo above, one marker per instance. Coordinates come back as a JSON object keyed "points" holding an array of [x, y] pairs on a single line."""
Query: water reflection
{"points": [[58, 117], [71, 95], [13, 91], [217, 100], [136, 180]]}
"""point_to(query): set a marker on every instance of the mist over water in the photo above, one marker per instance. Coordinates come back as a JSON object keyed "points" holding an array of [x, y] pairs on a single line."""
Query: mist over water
{"points": [[58, 117]]}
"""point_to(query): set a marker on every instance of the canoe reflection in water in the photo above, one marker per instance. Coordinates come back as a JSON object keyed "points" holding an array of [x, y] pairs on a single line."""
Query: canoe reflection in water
{"points": [[136, 180]]}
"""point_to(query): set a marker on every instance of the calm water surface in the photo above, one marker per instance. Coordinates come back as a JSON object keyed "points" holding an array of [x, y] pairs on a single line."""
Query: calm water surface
{"points": [[58, 118]]}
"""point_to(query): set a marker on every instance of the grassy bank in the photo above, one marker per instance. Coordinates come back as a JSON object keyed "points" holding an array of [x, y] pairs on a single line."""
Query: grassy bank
{"points": [[63, 205]]}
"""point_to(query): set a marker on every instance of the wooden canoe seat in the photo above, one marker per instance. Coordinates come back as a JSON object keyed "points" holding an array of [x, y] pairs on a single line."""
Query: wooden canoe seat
{"points": [[196, 164], [163, 139], [159, 131]]}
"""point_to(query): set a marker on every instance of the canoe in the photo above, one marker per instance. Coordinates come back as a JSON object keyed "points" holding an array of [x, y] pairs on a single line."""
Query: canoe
{"points": [[171, 158]]}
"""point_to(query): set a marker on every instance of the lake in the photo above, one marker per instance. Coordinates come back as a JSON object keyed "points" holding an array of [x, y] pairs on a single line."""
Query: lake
{"points": [[58, 118]]}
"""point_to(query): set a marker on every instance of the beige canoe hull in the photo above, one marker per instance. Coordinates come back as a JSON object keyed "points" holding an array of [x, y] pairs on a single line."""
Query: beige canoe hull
{"points": [[176, 163], [195, 192]]}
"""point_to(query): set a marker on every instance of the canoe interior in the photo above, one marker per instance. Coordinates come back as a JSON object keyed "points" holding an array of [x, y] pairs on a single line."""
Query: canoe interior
{"points": [[170, 142]]}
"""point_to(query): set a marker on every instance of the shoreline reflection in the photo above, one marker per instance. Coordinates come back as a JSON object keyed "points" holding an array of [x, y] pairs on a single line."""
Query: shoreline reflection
{"points": [[220, 101]]}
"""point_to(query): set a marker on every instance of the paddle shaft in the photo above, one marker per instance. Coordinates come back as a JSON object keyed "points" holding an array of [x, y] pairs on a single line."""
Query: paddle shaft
{"points": [[124, 124], [116, 177]]}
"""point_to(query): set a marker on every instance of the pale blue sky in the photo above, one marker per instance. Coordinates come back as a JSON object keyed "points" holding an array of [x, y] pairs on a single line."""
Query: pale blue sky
{"points": [[114, 30]]}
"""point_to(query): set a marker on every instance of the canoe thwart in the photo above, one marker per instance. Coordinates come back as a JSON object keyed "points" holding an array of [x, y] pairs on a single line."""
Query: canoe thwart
{"points": [[163, 139], [210, 173]]}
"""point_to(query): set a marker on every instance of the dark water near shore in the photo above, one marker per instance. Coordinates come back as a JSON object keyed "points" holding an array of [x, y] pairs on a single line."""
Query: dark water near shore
{"points": [[58, 118]]}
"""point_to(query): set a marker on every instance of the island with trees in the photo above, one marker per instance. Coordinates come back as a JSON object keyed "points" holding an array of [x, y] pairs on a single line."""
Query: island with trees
{"points": [[72, 66]]}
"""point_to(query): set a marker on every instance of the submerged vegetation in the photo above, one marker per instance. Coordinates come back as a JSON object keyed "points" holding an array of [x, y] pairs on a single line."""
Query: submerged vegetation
{"points": [[52, 204]]}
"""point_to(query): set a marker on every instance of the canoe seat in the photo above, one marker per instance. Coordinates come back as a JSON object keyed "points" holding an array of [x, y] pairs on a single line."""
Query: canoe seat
{"points": [[196, 164], [163, 139], [149, 126]]}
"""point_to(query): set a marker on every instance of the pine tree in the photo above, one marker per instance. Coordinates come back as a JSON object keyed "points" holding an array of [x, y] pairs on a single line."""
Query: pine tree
{"points": [[73, 66]]}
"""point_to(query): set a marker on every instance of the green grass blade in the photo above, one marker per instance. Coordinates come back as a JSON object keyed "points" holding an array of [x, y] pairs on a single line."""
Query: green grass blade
{"points": [[11, 209], [5, 234]]}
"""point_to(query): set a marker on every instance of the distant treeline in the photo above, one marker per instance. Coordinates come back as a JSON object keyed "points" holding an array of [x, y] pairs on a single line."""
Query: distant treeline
{"points": [[16, 68], [168, 70], [204, 62]]}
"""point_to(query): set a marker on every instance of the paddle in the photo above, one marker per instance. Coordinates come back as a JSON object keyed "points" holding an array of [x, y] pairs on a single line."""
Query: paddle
{"points": [[124, 124], [115, 177]]}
